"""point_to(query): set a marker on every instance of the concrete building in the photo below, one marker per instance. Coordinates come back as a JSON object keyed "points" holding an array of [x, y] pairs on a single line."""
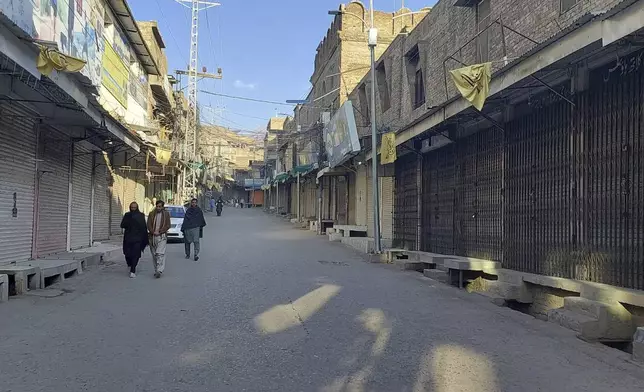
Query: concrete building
{"points": [[71, 156], [342, 60], [541, 187]]}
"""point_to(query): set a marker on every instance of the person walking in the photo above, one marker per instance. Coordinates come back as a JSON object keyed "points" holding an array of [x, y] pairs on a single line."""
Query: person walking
{"points": [[158, 226], [135, 237], [212, 204], [193, 223]]}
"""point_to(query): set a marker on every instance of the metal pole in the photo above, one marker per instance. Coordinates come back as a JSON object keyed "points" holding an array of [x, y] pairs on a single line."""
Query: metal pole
{"points": [[299, 217], [374, 147]]}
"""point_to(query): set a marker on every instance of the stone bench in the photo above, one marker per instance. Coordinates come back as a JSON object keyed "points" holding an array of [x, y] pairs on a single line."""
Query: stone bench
{"points": [[348, 230], [25, 277], [4, 287]]}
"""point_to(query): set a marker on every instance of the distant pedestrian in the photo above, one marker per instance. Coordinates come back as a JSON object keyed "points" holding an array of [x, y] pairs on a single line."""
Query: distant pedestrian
{"points": [[193, 224], [212, 204], [135, 237], [241, 203], [158, 226]]}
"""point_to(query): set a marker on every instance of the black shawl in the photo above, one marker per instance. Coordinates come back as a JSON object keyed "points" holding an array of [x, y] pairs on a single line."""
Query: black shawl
{"points": [[193, 219]]}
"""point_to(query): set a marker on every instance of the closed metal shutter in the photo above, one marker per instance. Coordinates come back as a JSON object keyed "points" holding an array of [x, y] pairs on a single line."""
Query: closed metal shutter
{"points": [[53, 192], [370, 231], [386, 207], [341, 209], [438, 200], [102, 200], [406, 202], [361, 196], [17, 179], [81, 197], [118, 203], [351, 182]]}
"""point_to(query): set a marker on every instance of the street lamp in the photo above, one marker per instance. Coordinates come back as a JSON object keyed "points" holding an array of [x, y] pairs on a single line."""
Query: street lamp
{"points": [[373, 41]]}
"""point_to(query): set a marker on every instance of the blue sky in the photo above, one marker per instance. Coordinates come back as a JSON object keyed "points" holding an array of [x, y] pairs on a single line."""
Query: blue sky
{"points": [[265, 48]]}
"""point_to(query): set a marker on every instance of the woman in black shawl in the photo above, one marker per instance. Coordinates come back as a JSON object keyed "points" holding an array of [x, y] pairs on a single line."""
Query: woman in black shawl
{"points": [[135, 237]]}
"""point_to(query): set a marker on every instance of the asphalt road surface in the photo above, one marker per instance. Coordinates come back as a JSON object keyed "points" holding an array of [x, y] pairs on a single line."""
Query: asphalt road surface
{"points": [[271, 308]]}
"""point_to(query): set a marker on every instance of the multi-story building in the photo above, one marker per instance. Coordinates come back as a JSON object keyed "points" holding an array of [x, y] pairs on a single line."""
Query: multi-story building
{"points": [[544, 182], [71, 157], [342, 59]]}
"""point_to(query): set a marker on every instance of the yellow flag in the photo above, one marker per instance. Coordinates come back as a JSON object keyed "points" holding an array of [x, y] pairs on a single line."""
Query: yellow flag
{"points": [[473, 82], [388, 148], [163, 156], [51, 59]]}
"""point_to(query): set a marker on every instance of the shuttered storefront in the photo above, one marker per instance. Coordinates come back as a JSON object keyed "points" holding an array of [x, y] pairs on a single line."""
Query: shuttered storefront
{"points": [[53, 192], [539, 179], [17, 179], [102, 199], [341, 200], [361, 196], [81, 197], [406, 202], [438, 200], [608, 203], [118, 203], [387, 207], [351, 183], [478, 200]]}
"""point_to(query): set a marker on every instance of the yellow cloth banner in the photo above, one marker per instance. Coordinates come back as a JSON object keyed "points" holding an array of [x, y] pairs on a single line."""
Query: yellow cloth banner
{"points": [[163, 156], [473, 82], [50, 59], [388, 148]]}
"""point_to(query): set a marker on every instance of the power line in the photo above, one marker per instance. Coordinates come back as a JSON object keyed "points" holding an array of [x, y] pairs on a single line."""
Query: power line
{"points": [[170, 30], [256, 100]]}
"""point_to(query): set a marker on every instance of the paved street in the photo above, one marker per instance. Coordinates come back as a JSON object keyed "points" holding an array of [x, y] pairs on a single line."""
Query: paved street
{"points": [[270, 308]]}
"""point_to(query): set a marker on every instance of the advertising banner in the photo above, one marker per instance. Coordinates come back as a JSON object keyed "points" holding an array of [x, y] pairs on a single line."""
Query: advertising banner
{"points": [[115, 75], [341, 136]]}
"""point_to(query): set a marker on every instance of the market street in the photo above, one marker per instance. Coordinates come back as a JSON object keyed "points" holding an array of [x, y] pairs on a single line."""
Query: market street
{"points": [[271, 308]]}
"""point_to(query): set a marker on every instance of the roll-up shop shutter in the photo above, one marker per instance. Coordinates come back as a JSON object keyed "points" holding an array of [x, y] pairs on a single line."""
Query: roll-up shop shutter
{"points": [[102, 199], [118, 203], [361, 196], [387, 207], [370, 232], [53, 192], [17, 179], [82, 166]]}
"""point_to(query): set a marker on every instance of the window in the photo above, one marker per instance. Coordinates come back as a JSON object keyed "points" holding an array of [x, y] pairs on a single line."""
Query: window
{"points": [[364, 104], [176, 212], [415, 77], [419, 89], [383, 87], [566, 5], [483, 11]]}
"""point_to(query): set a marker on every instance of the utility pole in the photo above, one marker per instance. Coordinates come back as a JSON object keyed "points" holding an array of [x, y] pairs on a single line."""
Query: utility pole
{"points": [[190, 144]]}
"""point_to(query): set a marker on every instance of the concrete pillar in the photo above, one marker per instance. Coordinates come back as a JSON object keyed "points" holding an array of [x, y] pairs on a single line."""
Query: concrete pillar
{"points": [[638, 345]]}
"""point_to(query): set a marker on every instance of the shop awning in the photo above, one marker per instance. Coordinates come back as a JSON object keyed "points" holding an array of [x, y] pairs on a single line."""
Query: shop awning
{"points": [[281, 178], [303, 169], [336, 171]]}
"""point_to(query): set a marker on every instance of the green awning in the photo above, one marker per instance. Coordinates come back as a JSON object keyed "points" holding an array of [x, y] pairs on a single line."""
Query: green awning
{"points": [[281, 178], [302, 169]]}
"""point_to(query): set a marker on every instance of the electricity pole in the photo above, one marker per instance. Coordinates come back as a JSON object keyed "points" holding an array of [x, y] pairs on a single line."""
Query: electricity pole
{"points": [[190, 142]]}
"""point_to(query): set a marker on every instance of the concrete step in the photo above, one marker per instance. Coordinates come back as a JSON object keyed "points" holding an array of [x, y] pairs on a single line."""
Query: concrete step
{"points": [[572, 320], [435, 274], [418, 266], [583, 305]]}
